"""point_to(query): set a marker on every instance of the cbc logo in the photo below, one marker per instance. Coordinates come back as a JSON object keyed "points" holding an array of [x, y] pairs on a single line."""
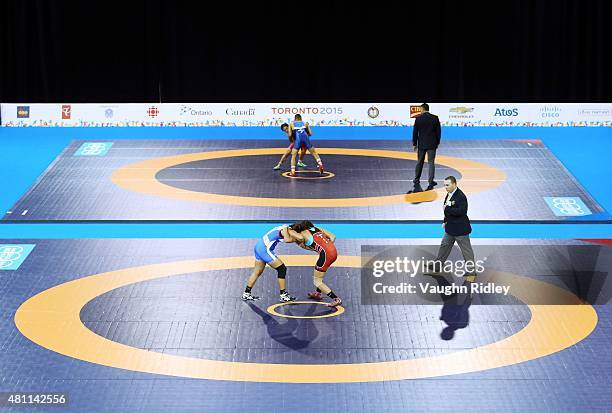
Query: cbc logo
{"points": [[93, 148], [9, 254], [373, 112], [568, 206], [153, 112]]}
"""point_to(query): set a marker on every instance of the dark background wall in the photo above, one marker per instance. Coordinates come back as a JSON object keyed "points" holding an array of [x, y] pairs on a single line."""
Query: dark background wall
{"points": [[175, 51]]}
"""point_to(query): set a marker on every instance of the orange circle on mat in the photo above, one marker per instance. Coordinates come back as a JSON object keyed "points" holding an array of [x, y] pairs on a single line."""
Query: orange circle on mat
{"points": [[299, 175], [141, 177], [52, 320]]}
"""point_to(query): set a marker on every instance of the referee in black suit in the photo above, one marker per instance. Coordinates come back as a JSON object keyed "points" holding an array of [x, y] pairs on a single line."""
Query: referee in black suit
{"points": [[426, 136], [456, 225]]}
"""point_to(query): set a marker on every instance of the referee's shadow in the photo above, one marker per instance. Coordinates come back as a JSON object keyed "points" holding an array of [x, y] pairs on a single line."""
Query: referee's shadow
{"points": [[284, 333], [416, 189], [456, 309]]}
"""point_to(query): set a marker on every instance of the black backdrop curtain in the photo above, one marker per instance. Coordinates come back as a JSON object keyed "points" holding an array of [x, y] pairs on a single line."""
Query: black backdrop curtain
{"points": [[177, 51]]}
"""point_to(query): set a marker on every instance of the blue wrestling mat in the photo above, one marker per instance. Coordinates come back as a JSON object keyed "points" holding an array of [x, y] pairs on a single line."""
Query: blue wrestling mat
{"points": [[154, 325], [212, 180]]}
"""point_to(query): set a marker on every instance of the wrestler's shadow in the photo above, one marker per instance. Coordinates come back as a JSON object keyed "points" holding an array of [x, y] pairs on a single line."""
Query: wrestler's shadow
{"points": [[284, 333]]}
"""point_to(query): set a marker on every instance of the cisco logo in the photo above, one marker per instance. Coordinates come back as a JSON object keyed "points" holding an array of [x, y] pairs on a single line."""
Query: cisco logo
{"points": [[506, 112], [550, 112]]}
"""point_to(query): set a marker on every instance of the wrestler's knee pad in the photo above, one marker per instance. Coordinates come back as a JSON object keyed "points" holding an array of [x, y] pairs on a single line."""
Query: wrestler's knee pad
{"points": [[281, 271]]}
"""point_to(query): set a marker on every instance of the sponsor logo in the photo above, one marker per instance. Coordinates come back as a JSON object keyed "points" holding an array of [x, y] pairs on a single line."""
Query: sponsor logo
{"points": [[66, 111], [461, 112], [240, 112], [188, 110], [109, 111], [550, 112], [415, 111], [373, 112], [313, 110], [506, 112], [23, 112], [93, 149], [153, 112], [595, 112], [13, 255], [567, 206]]}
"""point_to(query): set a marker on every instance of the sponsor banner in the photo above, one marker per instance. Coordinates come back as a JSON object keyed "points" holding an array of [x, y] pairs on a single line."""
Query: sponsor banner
{"points": [[487, 114], [317, 114]]}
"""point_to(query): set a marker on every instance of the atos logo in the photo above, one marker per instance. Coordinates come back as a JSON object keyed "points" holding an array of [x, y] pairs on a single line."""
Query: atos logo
{"points": [[506, 112]]}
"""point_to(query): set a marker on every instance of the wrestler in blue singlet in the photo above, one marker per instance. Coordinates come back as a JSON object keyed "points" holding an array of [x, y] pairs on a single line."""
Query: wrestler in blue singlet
{"points": [[301, 134], [264, 249]]}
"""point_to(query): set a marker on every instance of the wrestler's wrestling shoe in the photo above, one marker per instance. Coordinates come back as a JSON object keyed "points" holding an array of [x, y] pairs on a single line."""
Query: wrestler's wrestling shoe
{"points": [[301, 164], [315, 295], [286, 297], [277, 167], [292, 173], [321, 170], [335, 302], [249, 297]]}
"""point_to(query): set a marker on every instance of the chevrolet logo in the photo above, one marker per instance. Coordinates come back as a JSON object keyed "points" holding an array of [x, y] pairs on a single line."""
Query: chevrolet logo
{"points": [[461, 109]]}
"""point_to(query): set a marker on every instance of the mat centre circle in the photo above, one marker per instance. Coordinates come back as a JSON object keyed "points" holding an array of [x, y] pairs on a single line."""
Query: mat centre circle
{"points": [[344, 176], [334, 311], [362, 177], [308, 174]]}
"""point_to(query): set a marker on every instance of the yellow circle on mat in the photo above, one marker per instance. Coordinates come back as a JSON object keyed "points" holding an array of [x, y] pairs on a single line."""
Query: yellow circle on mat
{"points": [[141, 177], [52, 320], [326, 176], [273, 307]]}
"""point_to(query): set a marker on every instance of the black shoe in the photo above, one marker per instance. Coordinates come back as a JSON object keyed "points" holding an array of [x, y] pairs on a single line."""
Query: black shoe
{"points": [[417, 188], [429, 188], [434, 183]]}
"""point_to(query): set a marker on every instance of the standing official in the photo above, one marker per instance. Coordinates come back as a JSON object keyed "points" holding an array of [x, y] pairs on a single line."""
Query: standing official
{"points": [[426, 136], [456, 226]]}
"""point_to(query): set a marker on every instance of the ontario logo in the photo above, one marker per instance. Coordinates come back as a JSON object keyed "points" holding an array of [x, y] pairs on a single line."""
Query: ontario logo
{"points": [[23, 112]]}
